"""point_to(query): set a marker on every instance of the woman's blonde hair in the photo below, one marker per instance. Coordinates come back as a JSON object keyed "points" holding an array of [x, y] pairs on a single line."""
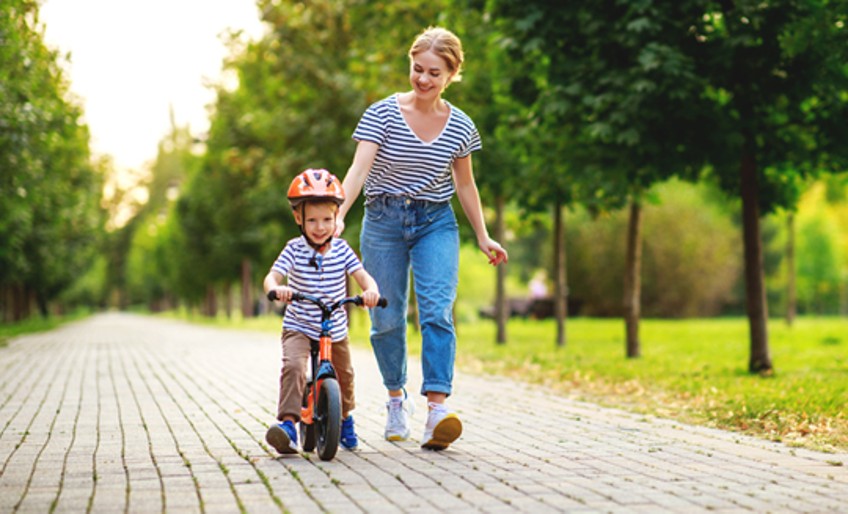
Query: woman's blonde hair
{"points": [[443, 43]]}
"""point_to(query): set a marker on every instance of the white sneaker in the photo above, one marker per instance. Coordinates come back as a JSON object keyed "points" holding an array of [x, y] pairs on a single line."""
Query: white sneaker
{"points": [[397, 424], [443, 427]]}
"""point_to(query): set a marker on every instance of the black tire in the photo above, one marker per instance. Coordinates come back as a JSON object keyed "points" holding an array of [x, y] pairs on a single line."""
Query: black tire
{"points": [[328, 418], [307, 432]]}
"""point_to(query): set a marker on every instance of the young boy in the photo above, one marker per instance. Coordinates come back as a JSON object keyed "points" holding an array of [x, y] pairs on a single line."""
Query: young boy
{"points": [[315, 264]]}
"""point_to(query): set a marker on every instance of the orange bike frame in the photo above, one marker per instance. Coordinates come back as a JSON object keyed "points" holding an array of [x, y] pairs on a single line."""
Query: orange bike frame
{"points": [[325, 353]]}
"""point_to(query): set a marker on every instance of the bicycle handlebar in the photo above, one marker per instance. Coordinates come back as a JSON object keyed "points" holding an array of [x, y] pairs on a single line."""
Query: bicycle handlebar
{"points": [[299, 297]]}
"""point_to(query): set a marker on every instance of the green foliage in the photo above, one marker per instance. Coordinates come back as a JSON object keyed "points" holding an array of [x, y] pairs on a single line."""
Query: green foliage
{"points": [[821, 252], [616, 105], [149, 261], [294, 108], [378, 64], [587, 105], [777, 74], [301, 90], [91, 288], [684, 273], [145, 264], [50, 215], [819, 265]]}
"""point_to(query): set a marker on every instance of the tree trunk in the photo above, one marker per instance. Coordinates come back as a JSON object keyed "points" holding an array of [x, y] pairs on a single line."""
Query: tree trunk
{"points": [[210, 305], [501, 313], [560, 274], [791, 297], [20, 302], [228, 300], [41, 300], [12, 305], [247, 310], [755, 295], [633, 280]]}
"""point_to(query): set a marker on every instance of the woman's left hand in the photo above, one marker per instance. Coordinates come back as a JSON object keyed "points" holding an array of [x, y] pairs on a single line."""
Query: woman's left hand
{"points": [[494, 251]]}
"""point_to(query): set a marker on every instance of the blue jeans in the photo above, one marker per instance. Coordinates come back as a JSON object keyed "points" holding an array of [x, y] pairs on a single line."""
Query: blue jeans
{"points": [[399, 234]]}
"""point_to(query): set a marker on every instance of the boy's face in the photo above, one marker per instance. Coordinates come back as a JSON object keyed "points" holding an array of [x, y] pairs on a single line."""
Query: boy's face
{"points": [[318, 221]]}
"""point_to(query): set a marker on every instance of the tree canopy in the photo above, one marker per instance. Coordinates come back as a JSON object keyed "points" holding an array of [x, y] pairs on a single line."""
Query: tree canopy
{"points": [[50, 214]]}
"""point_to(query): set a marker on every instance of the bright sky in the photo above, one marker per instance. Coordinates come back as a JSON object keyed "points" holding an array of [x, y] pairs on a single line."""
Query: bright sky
{"points": [[132, 60]]}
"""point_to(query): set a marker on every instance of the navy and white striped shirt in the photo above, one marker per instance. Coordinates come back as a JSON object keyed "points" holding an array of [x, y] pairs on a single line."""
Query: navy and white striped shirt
{"points": [[323, 277], [407, 166]]}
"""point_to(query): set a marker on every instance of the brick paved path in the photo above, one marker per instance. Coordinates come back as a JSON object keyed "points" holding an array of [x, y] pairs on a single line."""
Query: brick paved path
{"points": [[122, 413]]}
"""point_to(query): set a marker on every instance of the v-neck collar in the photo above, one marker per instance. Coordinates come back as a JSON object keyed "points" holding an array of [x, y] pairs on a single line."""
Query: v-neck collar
{"points": [[406, 123]]}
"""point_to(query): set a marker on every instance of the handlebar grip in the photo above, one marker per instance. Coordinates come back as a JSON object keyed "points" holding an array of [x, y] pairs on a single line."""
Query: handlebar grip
{"points": [[272, 295], [357, 300]]}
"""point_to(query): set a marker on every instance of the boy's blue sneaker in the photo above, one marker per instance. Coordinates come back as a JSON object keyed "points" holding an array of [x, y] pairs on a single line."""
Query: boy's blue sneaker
{"points": [[348, 438], [283, 437]]}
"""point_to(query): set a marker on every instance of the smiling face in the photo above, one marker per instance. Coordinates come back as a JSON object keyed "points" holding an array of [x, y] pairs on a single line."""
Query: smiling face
{"points": [[429, 74], [318, 220]]}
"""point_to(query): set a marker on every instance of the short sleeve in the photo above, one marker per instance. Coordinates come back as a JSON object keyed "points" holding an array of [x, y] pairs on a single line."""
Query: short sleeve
{"points": [[471, 142], [372, 126], [285, 262], [352, 263]]}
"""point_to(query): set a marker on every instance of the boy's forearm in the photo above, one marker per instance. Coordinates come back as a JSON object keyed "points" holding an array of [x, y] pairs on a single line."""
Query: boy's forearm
{"points": [[366, 281], [270, 282]]}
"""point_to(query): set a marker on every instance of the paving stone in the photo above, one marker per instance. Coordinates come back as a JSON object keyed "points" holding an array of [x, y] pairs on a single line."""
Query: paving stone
{"points": [[129, 411]]}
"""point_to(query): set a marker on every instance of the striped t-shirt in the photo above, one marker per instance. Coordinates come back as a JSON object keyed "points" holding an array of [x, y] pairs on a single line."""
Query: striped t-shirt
{"points": [[407, 166], [322, 276]]}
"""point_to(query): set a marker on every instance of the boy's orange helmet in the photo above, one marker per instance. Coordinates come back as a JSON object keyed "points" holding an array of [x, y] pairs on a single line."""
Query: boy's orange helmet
{"points": [[315, 184]]}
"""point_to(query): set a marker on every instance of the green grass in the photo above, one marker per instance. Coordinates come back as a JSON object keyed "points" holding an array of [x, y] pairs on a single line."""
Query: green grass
{"points": [[690, 370], [37, 324]]}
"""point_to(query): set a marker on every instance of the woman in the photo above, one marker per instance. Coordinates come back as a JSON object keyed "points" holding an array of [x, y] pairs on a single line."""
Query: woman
{"points": [[413, 153]]}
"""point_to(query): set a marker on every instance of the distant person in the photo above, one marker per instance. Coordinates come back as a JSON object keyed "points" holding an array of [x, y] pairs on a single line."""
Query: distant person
{"points": [[413, 152], [538, 286], [315, 264]]}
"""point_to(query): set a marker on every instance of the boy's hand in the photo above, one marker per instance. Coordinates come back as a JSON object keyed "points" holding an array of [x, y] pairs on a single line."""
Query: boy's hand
{"points": [[370, 297], [284, 293]]}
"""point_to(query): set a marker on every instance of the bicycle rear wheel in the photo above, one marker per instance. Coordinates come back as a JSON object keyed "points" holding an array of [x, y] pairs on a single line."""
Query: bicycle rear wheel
{"points": [[328, 418]]}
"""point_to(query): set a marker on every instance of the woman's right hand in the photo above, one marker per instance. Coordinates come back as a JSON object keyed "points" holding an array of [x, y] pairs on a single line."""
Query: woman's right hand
{"points": [[340, 226], [494, 251]]}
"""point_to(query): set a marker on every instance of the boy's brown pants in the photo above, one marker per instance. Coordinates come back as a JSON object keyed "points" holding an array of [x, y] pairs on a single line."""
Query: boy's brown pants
{"points": [[294, 371]]}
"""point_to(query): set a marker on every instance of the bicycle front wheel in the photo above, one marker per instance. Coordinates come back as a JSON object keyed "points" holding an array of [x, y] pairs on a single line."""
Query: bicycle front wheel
{"points": [[328, 418]]}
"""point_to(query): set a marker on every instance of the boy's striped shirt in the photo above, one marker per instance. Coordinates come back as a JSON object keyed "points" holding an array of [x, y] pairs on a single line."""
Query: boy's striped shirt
{"points": [[322, 276]]}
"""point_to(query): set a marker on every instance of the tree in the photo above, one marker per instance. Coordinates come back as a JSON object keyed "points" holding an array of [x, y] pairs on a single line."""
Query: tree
{"points": [[151, 266], [776, 74], [294, 108], [621, 99], [50, 215], [681, 84]]}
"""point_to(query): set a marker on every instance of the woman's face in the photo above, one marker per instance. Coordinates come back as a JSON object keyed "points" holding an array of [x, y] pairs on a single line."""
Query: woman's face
{"points": [[428, 74]]}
